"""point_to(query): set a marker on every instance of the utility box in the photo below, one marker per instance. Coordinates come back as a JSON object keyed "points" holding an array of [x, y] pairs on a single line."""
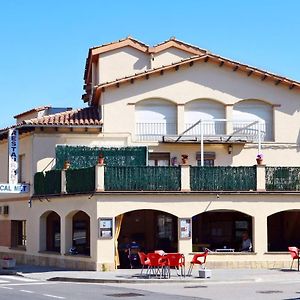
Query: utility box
{"points": [[205, 273]]}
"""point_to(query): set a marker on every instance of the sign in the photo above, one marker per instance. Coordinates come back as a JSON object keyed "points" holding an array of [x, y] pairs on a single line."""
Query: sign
{"points": [[13, 153], [18, 188], [185, 228], [105, 228]]}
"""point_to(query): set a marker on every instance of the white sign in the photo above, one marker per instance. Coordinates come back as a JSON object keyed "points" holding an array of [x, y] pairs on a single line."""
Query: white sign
{"points": [[18, 188], [14, 188], [13, 153]]}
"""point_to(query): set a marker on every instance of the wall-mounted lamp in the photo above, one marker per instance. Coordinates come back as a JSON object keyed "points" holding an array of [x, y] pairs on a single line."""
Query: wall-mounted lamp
{"points": [[229, 149]]}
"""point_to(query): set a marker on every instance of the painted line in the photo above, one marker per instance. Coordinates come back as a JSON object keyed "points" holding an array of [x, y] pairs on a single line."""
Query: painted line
{"points": [[6, 287], [26, 291], [53, 296], [3, 281], [18, 278], [29, 283]]}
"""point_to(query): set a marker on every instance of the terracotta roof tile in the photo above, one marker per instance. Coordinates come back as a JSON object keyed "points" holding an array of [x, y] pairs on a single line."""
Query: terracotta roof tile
{"points": [[36, 109]]}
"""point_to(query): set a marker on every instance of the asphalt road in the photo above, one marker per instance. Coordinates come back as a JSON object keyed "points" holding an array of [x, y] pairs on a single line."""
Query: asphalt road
{"points": [[19, 288]]}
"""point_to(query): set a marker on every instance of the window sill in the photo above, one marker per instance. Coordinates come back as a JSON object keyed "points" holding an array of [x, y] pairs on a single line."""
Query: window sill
{"points": [[18, 248], [50, 252], [276, 252], [77, 255]]}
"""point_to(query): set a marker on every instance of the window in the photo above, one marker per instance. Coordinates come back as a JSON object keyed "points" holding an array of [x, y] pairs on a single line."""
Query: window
{"points": [[18, 233], [159, 159], [209, 159]]}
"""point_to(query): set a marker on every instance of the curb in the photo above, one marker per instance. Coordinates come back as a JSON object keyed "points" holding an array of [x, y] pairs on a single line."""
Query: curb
{"points": [[104, 280]]}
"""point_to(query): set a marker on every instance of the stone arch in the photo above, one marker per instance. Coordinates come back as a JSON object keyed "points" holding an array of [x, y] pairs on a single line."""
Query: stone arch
{"points": [[220, 229], [283, 230], [150, 229], [249, 110], [78, 232], [154, 118], [50, 231], [210, 111]]}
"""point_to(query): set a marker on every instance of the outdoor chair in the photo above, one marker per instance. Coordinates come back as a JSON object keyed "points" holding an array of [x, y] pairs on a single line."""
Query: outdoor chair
{"points": [[197, 261], [144, 261], [294, 251], [176, 261], [155, 263]]}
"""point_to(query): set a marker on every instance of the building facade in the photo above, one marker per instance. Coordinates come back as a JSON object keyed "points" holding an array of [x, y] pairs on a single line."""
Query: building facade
{"points": [[202, 120]]}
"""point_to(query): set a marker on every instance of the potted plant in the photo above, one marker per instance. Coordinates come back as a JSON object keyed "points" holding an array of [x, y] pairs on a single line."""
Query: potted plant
{"points": [[67, 165], [259, 159], [184, 159], [8, 262], [101, 159]]}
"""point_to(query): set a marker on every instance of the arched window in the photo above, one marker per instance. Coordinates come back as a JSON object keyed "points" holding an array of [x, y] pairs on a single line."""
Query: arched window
{"points": [[210, 112], [155, 118], [249, 111], [81, 233]]}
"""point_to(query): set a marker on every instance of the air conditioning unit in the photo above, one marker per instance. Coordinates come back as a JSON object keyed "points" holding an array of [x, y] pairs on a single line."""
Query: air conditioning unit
{"points": [[5, 210]]}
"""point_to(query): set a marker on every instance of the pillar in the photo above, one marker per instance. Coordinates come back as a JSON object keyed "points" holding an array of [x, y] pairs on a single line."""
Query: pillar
{"points": [[185, 178], [99, 177], [260, 177], [180, 118], [228, 116]]}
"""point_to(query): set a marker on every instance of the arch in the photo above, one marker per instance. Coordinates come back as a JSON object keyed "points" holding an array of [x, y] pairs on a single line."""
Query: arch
{"points": [[154, 118], [220, 229], [208, 110], [283, 230], [80, 233], [150, 229], [50, 231], [163, 99], [249, 110]]}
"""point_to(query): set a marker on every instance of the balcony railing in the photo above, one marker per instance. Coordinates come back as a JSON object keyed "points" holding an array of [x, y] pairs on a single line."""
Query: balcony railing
{"points": [[142, 178], [246, 130], [154, 131], [223, 178], [183, 178], [282, 178]]}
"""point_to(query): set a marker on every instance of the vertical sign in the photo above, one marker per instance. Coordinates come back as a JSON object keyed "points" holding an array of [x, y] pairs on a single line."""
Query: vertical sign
{"points": [[185, 228], [13, 153]]}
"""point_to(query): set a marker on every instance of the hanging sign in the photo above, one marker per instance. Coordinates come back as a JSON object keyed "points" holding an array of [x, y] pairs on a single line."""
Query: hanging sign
{"points": [[18, 188], [13, 153]]}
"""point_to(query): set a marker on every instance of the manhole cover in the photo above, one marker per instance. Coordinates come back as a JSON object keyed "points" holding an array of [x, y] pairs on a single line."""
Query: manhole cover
{"points": [[269, 292], [195, 286], [124, 295]]}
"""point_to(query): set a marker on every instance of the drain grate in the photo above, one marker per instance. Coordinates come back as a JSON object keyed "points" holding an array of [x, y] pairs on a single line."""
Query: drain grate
{"points": [[269, 292], [124, 295]]}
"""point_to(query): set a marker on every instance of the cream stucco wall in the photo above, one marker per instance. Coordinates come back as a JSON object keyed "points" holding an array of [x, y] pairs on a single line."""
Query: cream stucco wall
{"points": [[168, 56], [121, 62]]}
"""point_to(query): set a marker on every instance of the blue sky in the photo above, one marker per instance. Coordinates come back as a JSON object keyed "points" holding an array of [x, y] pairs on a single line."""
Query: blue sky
{"points": [[44, 44]]}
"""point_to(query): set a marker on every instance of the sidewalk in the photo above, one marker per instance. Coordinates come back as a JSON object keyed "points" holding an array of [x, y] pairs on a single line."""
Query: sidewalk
{"points": [[133, 275]]}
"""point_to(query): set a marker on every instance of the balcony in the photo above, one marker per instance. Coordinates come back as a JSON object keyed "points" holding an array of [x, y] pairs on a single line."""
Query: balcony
{"points": [[184, 178], [214, 130]]}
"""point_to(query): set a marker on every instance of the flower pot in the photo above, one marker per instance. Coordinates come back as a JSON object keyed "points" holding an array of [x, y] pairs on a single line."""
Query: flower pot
{"points": [[259, 161], [101, 161], [184, 159], [8, 263]]}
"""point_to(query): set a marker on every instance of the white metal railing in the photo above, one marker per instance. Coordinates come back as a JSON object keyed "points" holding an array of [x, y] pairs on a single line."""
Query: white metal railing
{"points": [[247, 130], [154, 131]]}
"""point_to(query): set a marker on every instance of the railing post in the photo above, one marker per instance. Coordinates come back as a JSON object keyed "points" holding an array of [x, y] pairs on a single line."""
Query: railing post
{"points": [[63, 182], [185, 178], [99, 177], [260, 177]]}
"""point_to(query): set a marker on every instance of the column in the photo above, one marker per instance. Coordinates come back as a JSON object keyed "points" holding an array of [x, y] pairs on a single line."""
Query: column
{"points": [[260, 177], [260, 233], [228, 116], [180, 118], [99, 177], [185, 178]]}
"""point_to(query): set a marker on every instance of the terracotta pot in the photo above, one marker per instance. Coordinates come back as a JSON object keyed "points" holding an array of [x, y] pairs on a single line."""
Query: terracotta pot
{"points": [[259, 161], [101, 160], [67, 165], [185, 159]]}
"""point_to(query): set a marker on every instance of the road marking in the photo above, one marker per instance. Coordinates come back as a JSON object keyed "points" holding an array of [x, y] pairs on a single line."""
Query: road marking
{"points": [[29, 283], [6, 287], [18, 278], [53, 296], [26, 291]]}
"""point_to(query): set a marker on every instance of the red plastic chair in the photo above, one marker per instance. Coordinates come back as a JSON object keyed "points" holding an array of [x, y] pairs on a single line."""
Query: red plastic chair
{"points": [[155, 263], [144, 261], [176, 261], [294, 251], [196, 261]]}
